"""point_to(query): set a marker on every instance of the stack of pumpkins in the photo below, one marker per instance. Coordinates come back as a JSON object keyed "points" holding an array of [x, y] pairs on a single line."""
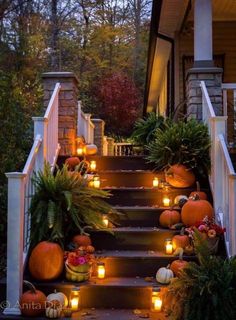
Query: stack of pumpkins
{"points": [[46, 263], [193, 209], [34, 303]]}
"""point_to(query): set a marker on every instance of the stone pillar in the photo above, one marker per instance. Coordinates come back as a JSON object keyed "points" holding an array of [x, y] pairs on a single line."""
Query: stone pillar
{"points": [[213, 80], [99, 134], [68, 107], [110, 146], [203, 56]]}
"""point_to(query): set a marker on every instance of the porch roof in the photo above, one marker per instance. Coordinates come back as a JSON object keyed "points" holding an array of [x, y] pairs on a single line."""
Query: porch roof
{"points": [[168, 18]]}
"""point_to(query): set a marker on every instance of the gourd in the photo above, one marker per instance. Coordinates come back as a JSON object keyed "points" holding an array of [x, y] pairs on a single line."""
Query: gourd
{"points": [[59, 296], [169, 217], [202, 195], [189, 250], [46, 261], [90, 149], [53, 309], [82, 240], [180, 176], [179, 198], [72, 162], [196, 210], [164, 275], [30, 299], [178, 265], [180, 240]]}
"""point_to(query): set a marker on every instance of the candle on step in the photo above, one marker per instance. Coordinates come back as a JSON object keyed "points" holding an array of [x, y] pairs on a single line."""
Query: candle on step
{"points": [[105, 220], [156, 300], [166, 201], [155, 182], [74, 299], [93, 165], [96, 181], [101, 270], [169, 246]]}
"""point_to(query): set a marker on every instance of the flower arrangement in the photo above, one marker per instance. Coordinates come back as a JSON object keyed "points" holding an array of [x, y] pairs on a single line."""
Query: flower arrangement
{"points": [[78, 264], [207, 227]]}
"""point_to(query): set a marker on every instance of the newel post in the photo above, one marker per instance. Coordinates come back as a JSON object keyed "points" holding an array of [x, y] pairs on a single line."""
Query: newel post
{"points": [[15, 241]]}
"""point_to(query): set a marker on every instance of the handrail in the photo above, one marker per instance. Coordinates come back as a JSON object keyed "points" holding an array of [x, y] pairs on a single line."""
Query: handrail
{"points": [[208, 100], [33, 153], [52, 100], [228, 86], [85, 125], [224, 148]]}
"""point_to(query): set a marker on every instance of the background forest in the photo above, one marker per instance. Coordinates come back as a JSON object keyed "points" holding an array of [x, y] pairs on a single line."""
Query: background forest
{"points": [[104, 42]]}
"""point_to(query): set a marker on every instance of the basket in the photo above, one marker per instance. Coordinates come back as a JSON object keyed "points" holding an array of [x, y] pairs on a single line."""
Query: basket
{"points": [[77, 273]]}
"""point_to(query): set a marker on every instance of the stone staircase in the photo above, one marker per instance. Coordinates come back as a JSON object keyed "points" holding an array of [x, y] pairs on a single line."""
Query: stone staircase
{"points": [[134, 251]]}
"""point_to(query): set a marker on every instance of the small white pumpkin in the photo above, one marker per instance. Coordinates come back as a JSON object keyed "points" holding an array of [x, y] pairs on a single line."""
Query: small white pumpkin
{"points": [[164, 275], [59, 296], [54, 309]]}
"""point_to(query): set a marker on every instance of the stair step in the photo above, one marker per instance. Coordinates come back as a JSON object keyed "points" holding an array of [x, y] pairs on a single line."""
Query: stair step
{"points": [[121, 163], [102, 314], [128, 178], [130, 238], [141, 196], [139, 215], [126, 263]]}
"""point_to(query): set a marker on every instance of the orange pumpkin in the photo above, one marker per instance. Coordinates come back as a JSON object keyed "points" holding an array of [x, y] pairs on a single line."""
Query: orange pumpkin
{"points": [[169, 217], [46, 261], [90, 149], [180, 240], [202, 195], [72, 162], [178, 265], [196, 210], [32, 302], [82, 240], [180, 176]]}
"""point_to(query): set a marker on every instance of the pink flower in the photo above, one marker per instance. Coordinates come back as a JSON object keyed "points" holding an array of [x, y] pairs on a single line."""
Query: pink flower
{"points": [[82, 260], [202, 228]]}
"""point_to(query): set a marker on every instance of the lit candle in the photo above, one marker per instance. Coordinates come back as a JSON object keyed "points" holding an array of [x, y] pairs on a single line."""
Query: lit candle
{"points": [[96, 181], [74, 299], [166, 202], [155, 182], [105, 220], [156, 300], [101, 270], [169, 246], [80, 151], [93, 165]]}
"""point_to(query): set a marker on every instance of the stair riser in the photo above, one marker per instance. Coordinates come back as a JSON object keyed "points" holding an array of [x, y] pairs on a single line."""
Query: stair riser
{"points": [[135, 267], [128, 179], [116, 297], [140, 218], [121, 163], [139, 197], [131, 240]]}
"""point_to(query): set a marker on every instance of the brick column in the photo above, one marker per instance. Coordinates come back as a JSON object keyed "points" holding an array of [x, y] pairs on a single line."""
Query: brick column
{"points": [[213, 80], [68, 107], [99, 134]]}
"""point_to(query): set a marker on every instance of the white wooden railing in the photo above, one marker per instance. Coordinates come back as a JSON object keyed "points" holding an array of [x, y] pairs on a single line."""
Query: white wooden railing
{"points": [[123, 149], [85, 125], [20, 192], [223, 176], [229, 108]]}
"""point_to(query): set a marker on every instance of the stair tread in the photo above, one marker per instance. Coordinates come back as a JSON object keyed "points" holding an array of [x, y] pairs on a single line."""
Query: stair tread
{"points": [[102, 314], [135, 254], [129, 171], [141, 208], [139, 229]]}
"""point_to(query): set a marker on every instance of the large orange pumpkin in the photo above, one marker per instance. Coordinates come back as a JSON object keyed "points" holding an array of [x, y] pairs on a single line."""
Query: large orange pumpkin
{"points": [[180, 240], [178, 265], [169, 217], [32, 302], [202, 195], [180, 176], [196, 210], [46, 261]]}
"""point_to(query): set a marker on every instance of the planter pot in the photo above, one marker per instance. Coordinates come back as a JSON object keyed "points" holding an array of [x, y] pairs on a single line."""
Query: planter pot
{"points": [[77, 273], [213, 244]]}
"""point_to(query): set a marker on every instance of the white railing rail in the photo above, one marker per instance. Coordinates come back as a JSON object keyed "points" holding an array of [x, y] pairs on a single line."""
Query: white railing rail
{"points": [[85, 125], [223, 176], [229, 106], [20, 192]]}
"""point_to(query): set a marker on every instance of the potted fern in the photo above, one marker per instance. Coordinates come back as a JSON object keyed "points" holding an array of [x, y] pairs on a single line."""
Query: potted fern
{"points": [[183, 148], [203, 291], [63, 204]]}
